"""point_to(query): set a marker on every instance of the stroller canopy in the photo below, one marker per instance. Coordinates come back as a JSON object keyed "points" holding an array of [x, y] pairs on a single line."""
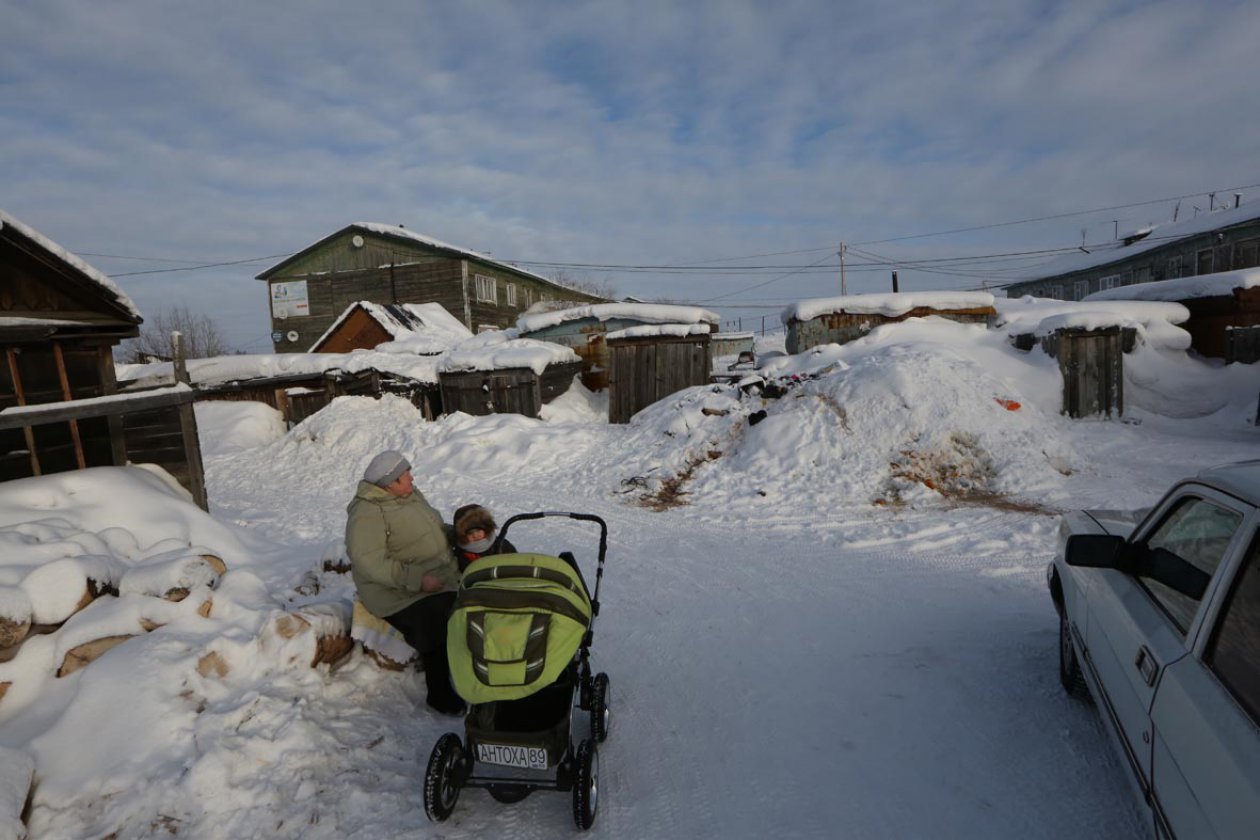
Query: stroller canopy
{"points": [[518, 621]]}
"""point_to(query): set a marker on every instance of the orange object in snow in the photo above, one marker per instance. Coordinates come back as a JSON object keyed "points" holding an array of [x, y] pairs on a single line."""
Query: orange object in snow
{"points": [[1009, 405]]}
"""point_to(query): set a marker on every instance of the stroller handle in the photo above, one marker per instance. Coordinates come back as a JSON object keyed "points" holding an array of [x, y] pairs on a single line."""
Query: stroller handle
{"points": [[584, 517]]}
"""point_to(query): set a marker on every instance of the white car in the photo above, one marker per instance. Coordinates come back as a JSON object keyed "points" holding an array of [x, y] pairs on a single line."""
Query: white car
{"points": [[1159, 618]]}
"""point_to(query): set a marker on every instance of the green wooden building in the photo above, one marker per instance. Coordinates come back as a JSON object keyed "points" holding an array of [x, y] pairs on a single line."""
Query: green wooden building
{"points": [[388, 264]]}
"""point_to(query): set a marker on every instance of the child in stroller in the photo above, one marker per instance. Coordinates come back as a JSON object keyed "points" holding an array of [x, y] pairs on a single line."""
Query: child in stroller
{"points": [[519, 641]]}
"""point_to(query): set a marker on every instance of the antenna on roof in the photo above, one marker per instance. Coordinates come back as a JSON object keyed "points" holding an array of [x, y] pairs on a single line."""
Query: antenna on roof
{"points": [[1211, 201], [1176, 209]]}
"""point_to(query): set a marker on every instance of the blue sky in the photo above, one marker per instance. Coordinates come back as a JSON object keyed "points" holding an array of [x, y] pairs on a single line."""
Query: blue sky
{"points": [[626, 133]]}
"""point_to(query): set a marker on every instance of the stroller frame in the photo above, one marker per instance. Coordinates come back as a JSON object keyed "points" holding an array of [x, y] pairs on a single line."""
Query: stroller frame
{"points": [[505, 725]]}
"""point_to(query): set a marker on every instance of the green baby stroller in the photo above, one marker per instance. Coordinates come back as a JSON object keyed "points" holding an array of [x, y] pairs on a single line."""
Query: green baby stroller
{"points": [[518, 641]]}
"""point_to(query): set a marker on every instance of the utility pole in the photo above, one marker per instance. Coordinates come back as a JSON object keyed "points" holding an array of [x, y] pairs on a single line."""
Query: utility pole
{"points": [[842, 287]]}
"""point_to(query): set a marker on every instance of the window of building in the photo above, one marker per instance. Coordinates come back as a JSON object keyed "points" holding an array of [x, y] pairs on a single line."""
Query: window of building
{"points": [[1203, 262], [1193, 539], [1142, 275], [1111, 281], [487, 289], [1080, 289], [511, 294], [1247, 253], [1056, 292], [1174, 267], [1234, 654]]}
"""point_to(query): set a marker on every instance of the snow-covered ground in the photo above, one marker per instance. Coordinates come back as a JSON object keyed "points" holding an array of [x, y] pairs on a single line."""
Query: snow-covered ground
{"points": [[804, 639]]}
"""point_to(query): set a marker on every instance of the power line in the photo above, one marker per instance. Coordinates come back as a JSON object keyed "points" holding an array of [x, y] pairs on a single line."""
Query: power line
{"points": [[1054, 216], [195, 267]]}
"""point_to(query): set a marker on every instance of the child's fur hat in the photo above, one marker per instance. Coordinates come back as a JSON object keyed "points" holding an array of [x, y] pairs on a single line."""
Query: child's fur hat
{"points": [[469, 517]]}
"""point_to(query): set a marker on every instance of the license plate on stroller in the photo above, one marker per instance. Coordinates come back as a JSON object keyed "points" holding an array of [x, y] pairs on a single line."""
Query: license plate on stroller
{"points": [[512, 755]]}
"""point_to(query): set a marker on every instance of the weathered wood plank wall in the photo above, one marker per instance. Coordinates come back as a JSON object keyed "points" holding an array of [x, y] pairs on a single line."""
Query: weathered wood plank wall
{"points": [[1092, 364], [642, 371]]}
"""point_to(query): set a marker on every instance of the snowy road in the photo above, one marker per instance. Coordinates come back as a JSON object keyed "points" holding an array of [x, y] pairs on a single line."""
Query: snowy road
{"points": [[776, 687], [786, 683]]}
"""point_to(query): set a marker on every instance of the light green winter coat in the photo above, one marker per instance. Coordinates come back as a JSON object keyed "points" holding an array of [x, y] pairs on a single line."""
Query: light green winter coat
{"points": [[392, 543]]}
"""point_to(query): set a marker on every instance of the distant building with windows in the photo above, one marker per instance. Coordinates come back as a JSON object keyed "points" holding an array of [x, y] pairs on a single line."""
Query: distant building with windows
{"points": [[388, 264], [1206, 243]]}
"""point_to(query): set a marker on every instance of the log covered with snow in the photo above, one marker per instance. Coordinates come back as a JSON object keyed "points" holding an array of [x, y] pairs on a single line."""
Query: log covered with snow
{"points": [[15, 615], [322, 630], [173, 576]]}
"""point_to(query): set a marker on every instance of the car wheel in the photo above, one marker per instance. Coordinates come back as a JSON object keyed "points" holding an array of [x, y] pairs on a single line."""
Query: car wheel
{"points": [[586, 785], [442, 778], [1069, 666]]}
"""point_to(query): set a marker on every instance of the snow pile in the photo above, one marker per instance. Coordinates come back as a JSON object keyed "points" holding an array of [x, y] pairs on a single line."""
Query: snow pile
{"points": [[1220, 284], [654, 330], [912, 413], [222, 370], [422, 329], [239, 424], [890, 304], [191, 624], [1155, 322], [648, 313], [500, 350]]}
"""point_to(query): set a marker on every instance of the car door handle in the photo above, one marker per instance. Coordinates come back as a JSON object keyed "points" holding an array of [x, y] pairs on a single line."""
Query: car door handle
{"points": [[1146, 665]]}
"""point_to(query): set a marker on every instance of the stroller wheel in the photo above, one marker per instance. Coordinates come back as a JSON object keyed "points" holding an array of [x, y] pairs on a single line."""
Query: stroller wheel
{"points": [[600, 715], [586, 785], [443, 777]]}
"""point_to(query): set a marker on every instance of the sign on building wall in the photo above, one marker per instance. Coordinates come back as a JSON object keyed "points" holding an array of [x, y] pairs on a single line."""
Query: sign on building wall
{"points": [[289, 300]]}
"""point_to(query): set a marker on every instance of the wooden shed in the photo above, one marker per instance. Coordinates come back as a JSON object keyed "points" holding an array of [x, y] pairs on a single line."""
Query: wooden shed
{"points": [[840, 320], [1218, 303], [494, 373], [60, 408], [506, 391], [585, 329], [647, 364]]}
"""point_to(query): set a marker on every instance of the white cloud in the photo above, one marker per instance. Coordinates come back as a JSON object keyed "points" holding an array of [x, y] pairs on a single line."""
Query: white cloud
{"points": [[609, 132]]}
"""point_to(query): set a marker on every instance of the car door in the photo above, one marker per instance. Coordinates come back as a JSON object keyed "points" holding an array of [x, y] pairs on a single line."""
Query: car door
{"points": [[1139, 626], [1206, 718]]}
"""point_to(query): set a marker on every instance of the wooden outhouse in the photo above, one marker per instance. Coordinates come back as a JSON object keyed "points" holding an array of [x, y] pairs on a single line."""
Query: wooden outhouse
{"points": [[840, 320], [60, 408], [648, 363], [1091, 362], [496, 374], [585, 329]]}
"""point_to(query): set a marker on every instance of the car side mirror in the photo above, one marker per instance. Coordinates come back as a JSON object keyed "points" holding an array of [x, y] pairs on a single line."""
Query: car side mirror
{"points": [[1177, 574], [1095, 551]]}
